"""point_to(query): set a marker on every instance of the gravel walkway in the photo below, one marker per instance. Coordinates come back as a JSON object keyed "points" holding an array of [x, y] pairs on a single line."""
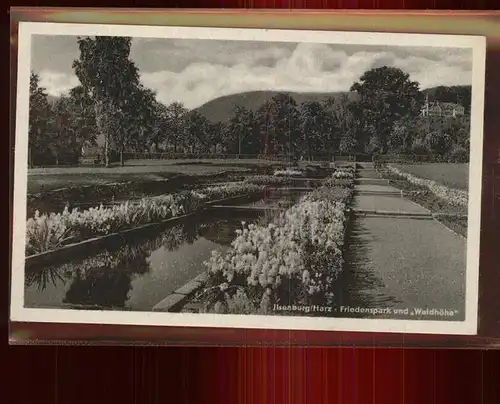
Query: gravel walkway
{"points": [[401, 262]]}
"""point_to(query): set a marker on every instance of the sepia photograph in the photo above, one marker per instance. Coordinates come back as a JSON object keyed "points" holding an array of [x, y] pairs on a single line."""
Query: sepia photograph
{"points": [[247, 178]]}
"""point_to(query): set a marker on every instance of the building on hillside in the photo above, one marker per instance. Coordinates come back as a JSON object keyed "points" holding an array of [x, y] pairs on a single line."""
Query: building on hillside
{"points": [[443, 109]]}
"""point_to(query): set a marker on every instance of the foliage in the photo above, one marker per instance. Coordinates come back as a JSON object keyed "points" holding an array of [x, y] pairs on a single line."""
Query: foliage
{"points": [[344, 173], [112, 105], [455, 197], [239, 128], [459, 155], [49, 231], [112, 81], [385, 95], [289, 172], [39, 119], [43, 233], [269, 180], [314, 128], [293, 260], [279, 123], [58, 131], [172, 128]]}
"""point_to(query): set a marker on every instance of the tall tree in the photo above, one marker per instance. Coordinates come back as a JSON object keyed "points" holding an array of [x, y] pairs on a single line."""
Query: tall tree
{"points": [[314, 128], [217, 131], [175, 124], [141, 121], [404, 134], [67, 136], [280, 120], [385, 95], [83, 112], [107, 73], [252, 142], [40, 121], [197, 133], [239, 127]]}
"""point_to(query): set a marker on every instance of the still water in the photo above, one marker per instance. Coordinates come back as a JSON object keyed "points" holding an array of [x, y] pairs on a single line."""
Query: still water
{"points": [[137, 276], [278, 198], [132, 277]]}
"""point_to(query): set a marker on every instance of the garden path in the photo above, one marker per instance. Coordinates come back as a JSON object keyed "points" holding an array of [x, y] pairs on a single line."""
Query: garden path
{"points": [[402, 258]]}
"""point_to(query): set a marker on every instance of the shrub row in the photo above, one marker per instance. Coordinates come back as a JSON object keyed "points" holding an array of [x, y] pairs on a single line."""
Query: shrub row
{"points": [[455, 197], [45, 232], [295, 259]]}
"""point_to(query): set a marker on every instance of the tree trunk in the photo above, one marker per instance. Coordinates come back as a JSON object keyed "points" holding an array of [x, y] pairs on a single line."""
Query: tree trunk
{"points": [[100, 117], [106, 150], [122, 160]]}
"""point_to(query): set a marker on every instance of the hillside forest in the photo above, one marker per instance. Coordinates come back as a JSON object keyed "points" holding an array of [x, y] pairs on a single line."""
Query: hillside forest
{"points": [[381, 114]]}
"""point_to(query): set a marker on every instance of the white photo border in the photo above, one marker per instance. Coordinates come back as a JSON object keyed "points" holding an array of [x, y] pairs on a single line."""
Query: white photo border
{"points": [[18, 313]]}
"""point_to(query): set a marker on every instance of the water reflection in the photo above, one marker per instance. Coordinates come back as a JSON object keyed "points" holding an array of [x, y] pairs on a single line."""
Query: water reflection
{"points": [[133, 276], [278, 198], [46, 277]]}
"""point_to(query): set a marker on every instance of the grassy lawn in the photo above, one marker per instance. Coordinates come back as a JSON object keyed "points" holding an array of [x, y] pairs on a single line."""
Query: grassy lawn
{"points": [[210, 162], [422, 196], [447, 174], [60, 177]]}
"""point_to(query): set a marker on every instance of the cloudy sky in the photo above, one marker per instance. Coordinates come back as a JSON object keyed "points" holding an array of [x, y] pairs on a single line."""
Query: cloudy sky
{"points": [[196, 71]]}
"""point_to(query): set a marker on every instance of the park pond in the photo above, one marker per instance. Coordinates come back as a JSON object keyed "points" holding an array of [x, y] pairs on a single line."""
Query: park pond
{"points": [[139, 274], [134, 276]]}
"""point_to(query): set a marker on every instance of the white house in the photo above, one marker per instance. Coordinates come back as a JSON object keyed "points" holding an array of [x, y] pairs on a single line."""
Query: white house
{"points": [[447, 109]]}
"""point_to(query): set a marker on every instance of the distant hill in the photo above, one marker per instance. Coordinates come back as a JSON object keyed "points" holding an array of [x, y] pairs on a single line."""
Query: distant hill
{"points": [[221, 108]]}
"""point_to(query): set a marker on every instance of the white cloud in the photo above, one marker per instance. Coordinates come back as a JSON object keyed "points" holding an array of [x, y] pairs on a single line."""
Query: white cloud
{"points": [[307, 68], [310, 68], [57, 83]]}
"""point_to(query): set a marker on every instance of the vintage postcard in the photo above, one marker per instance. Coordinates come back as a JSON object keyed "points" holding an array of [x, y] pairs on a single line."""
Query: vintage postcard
{"points": [[249, 178]]}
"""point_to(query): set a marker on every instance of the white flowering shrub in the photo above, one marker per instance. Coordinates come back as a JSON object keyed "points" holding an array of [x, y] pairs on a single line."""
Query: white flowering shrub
{"points": [[47, 232], [344, 173], [294, 259], [455, 197], [268, 180], [226, 191], [289, 172]]}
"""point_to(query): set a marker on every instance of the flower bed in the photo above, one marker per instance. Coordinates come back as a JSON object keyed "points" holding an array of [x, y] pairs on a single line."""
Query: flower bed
{"points": [[293, 260], [455, 197], [50, 231], [344, 173], [289, 172], [339, 182], [268, 180], [94, 194]]}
